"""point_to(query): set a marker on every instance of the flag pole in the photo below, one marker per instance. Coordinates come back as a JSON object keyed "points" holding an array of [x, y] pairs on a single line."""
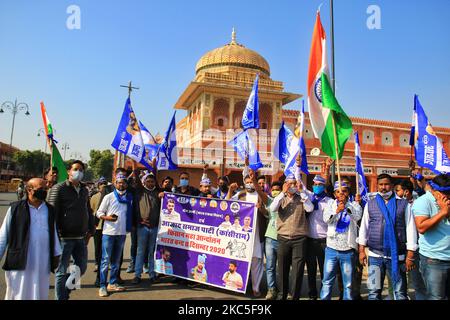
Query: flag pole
{"points": [[336, 148], [356, 171]]}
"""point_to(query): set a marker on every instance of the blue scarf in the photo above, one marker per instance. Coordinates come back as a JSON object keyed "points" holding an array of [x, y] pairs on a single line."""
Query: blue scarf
{"points": [[128, 199], [317, 198], [390, 241], [343, 221]]}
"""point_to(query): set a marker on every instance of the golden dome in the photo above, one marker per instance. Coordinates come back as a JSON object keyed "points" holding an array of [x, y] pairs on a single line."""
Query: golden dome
{"points": [[233, 54]]}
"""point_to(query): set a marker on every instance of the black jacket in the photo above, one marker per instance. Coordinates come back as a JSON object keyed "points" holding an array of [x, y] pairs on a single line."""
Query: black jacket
{"points": [[73, 212], [19, 236]]}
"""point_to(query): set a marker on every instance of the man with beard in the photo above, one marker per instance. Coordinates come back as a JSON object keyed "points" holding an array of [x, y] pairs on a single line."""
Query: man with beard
{"points": [[389, 231], [223, 188], [232, 279]]}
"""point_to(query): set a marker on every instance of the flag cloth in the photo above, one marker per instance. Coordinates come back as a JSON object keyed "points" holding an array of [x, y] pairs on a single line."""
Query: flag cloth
{"points": [[299, 134], [321, 100], [412, 135], [56, 159], [244, 146], [429, 150], [128, 139], [168, 152], [363, 190], [250, 118], [153, 149], [281, 150], [58, 162]]}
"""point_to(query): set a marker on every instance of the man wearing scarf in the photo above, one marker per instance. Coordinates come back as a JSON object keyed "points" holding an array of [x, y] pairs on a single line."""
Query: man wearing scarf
{"points": [[317, 233], [342, 217], [146, 209], [432, 214], [116, 210], [389, 232]]}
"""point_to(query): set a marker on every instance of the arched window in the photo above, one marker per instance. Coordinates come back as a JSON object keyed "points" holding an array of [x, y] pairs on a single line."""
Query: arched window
{"points": [[404, 140], [368, 137], [387, 139]]}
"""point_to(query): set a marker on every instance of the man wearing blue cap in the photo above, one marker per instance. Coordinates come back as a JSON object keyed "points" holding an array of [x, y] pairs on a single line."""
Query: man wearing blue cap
{"points": [[342, 217], [389, 232], [432, 214], [116, 210]]}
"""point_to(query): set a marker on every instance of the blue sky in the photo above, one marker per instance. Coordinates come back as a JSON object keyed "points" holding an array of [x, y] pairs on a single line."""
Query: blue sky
{"points": [[77, 73]]}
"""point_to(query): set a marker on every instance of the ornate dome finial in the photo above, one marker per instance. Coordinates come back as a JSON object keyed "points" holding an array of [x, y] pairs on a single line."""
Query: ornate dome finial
{"points": [[233, 37]]}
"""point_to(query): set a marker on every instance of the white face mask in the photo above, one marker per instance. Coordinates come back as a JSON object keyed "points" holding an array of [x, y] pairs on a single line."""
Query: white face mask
{"points": [[77, 175], [386, 195], [293, 190], [121, 192]]}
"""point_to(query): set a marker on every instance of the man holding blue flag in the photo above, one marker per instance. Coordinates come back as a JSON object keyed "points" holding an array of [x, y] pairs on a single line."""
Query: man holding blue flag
{"points": [[389, 231]]}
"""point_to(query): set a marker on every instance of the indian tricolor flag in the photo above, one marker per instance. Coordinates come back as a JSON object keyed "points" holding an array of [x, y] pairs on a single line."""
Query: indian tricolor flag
{"points": [[323, 105], [56, 159]]}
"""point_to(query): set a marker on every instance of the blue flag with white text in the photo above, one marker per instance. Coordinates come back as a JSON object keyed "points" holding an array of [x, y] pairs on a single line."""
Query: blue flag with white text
{"points": [[169, 147], [429, 150], [128, 139], [363, 190], [250, 118], [244, 146]]}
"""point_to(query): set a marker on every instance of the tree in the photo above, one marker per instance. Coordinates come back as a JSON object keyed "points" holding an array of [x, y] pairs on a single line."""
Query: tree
{"points": [[32, 163], [101, 163]]}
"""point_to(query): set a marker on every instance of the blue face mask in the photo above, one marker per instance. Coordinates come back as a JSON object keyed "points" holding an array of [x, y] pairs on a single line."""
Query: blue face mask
{"points": [[184, 182], [318, 189]]}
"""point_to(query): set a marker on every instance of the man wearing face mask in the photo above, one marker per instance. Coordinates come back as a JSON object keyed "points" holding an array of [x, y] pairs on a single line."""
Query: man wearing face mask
{"points": [[271, 243], [28, 235], [389, 231], [116, 210], [184, 187], [317, 233], [146, 211], [75, 223], [292, 205], [253, 193]]}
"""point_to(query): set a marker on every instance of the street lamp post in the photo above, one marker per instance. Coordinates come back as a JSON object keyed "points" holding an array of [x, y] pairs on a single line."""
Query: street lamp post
{"points": [[14, 108], [65, 147]]}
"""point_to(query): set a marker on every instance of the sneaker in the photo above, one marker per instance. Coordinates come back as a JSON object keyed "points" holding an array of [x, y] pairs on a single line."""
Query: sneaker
{"points": [[130, 269], [115, 287], [289, 297], [103, 292], [136, 280], [272, 294]]}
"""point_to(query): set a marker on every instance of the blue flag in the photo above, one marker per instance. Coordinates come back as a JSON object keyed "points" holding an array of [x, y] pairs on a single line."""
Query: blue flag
{"points": [[413, 129], [286, 149], [428, 148], [152, 149], [169, 147], [250, 118], [363, 190], [244, 146], [128, 139]]}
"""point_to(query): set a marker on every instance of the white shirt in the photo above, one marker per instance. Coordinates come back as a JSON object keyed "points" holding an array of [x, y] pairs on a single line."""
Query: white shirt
{"points": [[232, 280], [411, 232], [110, 206], [33, 283], [307, 204]]}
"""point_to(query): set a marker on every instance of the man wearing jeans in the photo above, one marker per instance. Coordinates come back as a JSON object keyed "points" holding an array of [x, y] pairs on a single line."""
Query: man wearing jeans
{"points": [[342, 217], [432, 214], [146, 211], [389, 231], [74, 222], [116, 210], [271, 246], [317, 234]]}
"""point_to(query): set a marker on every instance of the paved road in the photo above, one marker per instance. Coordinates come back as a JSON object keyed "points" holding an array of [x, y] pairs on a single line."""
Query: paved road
{"points": [[143, 291]]}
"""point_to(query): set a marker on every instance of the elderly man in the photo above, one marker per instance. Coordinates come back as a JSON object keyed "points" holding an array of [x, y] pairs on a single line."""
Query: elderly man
{"points": [[432, 214], [28, 235]]}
